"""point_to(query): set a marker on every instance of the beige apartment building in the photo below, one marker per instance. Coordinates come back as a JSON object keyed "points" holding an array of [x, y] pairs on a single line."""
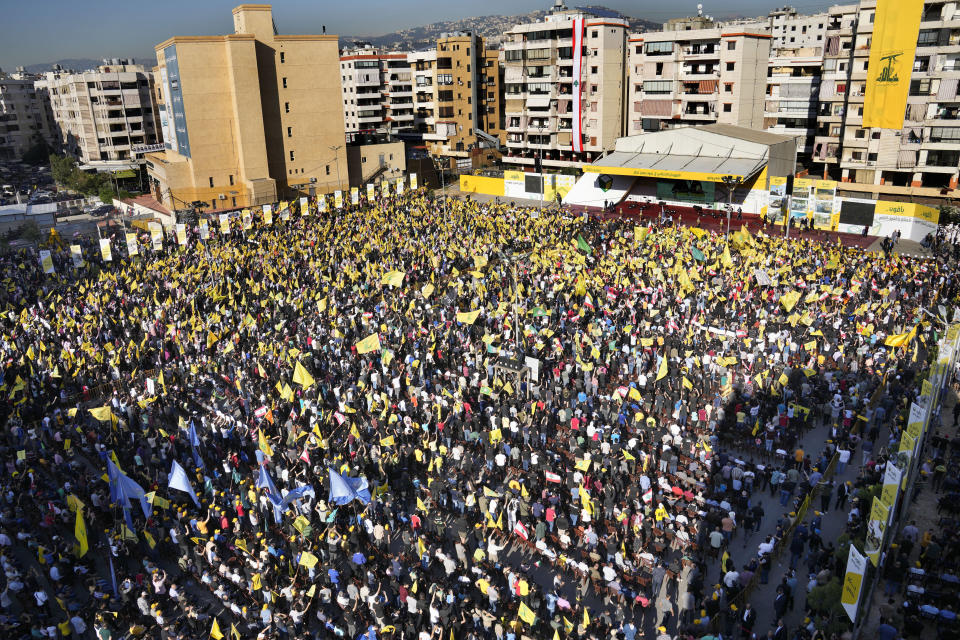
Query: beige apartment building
{"points": [[456, 99], [106, 117], [248, 117], [698, 76], [792, 100], [24, 114], [542, 90], [377, 92], [922, 159]]}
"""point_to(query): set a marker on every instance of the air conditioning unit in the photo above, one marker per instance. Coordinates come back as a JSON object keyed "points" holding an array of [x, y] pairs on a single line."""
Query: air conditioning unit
{"points": [[222, 196]]}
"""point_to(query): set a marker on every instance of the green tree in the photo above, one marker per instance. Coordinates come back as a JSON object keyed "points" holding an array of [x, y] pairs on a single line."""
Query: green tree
{"points": [[106, 194], [825, 601], [63, 169]]}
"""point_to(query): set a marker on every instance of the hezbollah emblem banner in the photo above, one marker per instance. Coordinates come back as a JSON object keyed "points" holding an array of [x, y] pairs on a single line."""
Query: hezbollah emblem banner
{"points": [[354, 195], [371, 192], [853, 582], [876, 527], [46, 261], [891, 483], [338, 198], [105, 250], [413, 181], [132, 247], [204, 230], [893, 47]]}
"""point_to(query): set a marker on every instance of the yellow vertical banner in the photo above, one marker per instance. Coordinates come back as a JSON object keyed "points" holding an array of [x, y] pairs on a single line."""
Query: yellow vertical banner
{"points": [[354, 195], [247, 219], [224, 223], [371, 192], [413, 181], [181, 234], [267, 214], [105, 250], [338, 198], [46, 261], [132, 247], [895, 28], [876, 527], [853, 582]]}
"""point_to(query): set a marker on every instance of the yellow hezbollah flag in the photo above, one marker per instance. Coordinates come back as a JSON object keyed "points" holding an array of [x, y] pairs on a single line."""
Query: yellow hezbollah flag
{"points": [[894, 44], [468, 317], [302, 377], [393, 278], [265, 445], [526, 614], [662, 371], [80, 531], [215, 632], [368, 344], [103, 414]]}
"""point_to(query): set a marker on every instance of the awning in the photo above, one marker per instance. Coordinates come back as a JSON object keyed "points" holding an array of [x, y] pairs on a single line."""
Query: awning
{"points": [[676, 167], [538, 103]]}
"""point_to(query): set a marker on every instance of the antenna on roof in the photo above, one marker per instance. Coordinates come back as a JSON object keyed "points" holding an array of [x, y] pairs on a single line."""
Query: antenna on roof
{"points": [[700, 10]]}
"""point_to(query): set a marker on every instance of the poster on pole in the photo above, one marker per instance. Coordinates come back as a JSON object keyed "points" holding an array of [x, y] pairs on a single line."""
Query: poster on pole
{"points": [[46, 261], [853, 582], [338, 199], [77, 254], [399, 187], [224, 223], [247, 219], [322, 203], [105, 250], [204, 229], [267, 215], [876, 527], [354, 195], [132, 248], [776, 198], [181, 234], [413, 181], [371, 192], [891, 484]]}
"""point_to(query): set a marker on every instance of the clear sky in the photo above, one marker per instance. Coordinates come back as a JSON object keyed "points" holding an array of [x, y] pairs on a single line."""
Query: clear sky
{"points": [[40, 31]]}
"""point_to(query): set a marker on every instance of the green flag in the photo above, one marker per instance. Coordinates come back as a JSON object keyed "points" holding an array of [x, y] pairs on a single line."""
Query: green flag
{"points": [[697, 254], [583, 246]]}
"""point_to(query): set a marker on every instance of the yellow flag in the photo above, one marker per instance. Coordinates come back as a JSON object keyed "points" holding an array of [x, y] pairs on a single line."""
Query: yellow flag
{"points": [[628, 456], [421, 506], [586, 618], [236, 634], [892, 49], [215, 632], [257, 584], [634, 394], [387, 442], [687, 384], [302, 377], [567, 625], [264, 444], [80, 531], [308, 560], [725, 260], [103, 414], [368, 344], [468, 317], [393, 278], [662, 371], [526, 614]]}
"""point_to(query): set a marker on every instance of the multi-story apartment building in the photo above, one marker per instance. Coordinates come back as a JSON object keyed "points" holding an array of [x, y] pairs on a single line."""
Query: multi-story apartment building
{"points": [[105, 116], [790, 30], [555, 91], [924, 157], [698, 76], [793, 89], [248, 116], [377, 92], [24, 115], [423, 65]]}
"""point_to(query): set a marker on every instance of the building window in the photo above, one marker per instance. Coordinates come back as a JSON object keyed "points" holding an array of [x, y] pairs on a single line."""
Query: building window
{"points": [[593, 69], [291, 156], [730, 66], [860, 134], [727, 107], [595, 33], [328, 169], [282, 60], [286, 107], [284, 83], [289, 132], [731, 46], [213, 203], [231, 179], [211, 182], [234, 200], [728, 87]]}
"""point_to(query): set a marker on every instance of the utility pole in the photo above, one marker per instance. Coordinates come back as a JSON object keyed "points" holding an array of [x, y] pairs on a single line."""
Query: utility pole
{"points": [[336, 157]]}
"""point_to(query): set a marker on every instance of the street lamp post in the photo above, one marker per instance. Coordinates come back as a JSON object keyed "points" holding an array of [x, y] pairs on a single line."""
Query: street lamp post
{"points": [[730, 182], [543, 184], [336, 155]]}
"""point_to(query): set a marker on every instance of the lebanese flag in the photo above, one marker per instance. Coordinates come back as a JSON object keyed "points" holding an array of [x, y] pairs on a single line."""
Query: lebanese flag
{"points": [[588, 301], [521, 531], [305, 456], [552, 477], [648, 495]]}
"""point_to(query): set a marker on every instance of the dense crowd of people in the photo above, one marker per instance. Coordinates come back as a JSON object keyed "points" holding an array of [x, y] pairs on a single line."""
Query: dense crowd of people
{"points": [[419, 419]]}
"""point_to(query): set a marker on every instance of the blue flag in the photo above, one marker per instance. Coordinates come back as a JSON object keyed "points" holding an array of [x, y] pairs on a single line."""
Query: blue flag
{"points": [[178, 480], [264, 481], [123, 489], [298, 494], [345, 490], [194, 443]]}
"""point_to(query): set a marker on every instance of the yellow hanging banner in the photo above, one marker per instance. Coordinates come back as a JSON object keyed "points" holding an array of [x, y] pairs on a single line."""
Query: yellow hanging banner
{"points": [[892, 50]]}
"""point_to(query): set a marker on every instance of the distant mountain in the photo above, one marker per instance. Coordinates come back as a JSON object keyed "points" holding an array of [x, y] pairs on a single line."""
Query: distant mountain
{"points": [[79, 64], [487, 26]]}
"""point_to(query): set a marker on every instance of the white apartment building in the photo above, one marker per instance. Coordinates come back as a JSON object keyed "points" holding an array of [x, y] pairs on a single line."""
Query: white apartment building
{"points": [[377, 92], [793, 90], [423, 66], [542, 91], [24, 115], [698, 76], [106, 117], [790, 30]]}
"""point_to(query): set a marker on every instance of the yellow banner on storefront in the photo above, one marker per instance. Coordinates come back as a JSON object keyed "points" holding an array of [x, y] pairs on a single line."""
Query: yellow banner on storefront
{"points": [[894, 44]]}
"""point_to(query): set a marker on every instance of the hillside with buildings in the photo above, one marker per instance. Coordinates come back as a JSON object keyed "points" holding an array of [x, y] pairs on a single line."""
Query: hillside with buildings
{"points": [[491, 28]]}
